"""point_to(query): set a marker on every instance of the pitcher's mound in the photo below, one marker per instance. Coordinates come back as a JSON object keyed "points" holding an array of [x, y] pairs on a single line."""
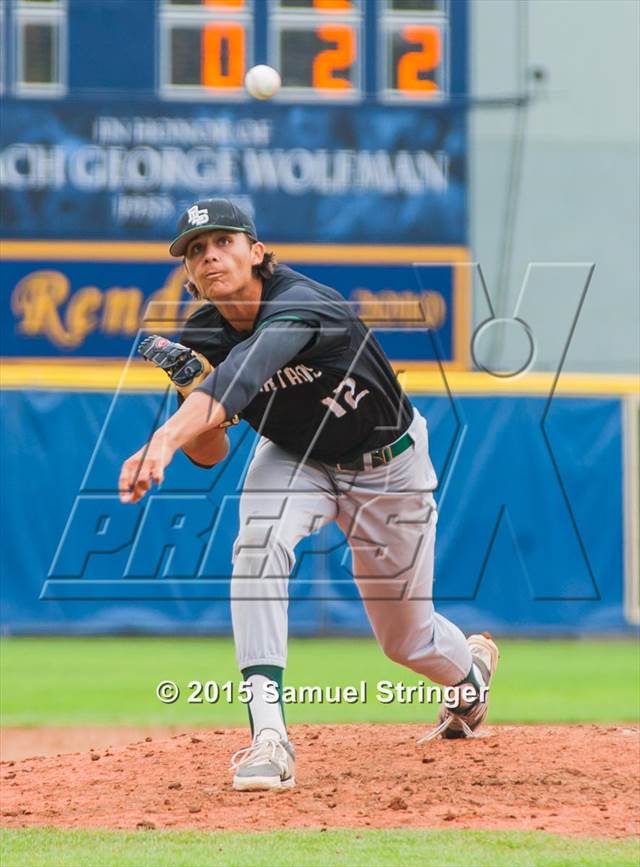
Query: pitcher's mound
{"points": [[571, 779]]}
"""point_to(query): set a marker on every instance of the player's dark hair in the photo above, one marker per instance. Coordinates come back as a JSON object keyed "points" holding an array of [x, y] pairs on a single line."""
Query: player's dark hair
{"points": [[264, 270]]}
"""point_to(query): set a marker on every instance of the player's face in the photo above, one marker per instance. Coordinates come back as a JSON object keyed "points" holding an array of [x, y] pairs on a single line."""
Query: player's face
{"points": [[220, 263]]}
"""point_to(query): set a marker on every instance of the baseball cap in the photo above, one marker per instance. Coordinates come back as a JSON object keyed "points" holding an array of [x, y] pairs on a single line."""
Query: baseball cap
{"points": [[208, 214]]}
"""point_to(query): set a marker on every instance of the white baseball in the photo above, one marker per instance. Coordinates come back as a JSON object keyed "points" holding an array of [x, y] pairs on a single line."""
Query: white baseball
{"points": [[262, 82]]}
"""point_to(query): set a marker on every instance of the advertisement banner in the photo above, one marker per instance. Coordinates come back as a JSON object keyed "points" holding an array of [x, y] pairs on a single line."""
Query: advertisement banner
{"points": [[94, 305]]}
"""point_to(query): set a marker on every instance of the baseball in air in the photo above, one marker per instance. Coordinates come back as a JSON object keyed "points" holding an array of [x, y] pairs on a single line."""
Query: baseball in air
{"points": [[262, 82]]}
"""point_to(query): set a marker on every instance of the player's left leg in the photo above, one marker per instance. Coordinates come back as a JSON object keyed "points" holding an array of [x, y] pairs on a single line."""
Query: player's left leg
{"points": [[281, 504], [389, 516]]}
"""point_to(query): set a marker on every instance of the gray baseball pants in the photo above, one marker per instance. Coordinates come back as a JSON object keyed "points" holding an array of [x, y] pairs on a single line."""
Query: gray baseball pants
{"points": [[388, 516]]}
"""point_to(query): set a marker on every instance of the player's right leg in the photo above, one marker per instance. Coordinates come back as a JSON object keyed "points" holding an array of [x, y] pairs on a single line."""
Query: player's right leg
{"points": [[390, 518], [463, 720], [281, 504]]}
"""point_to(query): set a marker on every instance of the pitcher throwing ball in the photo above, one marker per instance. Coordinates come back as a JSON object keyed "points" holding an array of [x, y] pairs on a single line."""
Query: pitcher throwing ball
{"points": [[339, 441]]}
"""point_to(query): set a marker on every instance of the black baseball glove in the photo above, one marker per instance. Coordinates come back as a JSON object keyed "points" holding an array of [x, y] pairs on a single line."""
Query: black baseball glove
{"points": [[185, 367], [181, 364]]}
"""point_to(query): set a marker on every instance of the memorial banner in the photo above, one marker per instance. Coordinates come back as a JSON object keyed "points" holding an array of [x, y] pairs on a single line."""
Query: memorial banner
{"points": [[96, 170]]}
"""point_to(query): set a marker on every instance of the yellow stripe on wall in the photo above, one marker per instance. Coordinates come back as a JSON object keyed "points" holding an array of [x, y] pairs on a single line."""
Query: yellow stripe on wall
{"points": [[109, 374], [466, 382], [155, 251]]}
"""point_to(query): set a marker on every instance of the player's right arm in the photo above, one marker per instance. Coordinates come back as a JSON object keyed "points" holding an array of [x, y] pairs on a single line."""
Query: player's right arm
{"points": [[231, 385], [224, 392], [187, 369], [207, 449]]}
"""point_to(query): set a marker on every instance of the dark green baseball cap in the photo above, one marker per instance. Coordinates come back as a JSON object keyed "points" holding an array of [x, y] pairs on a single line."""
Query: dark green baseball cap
{"points": [[206, 215]]}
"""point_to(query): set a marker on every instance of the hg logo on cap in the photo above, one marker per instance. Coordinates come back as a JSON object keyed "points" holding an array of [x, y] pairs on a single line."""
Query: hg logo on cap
{"points": [[198, 217]]}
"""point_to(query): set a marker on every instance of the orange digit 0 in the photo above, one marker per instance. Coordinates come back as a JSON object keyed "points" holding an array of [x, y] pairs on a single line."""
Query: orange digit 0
{"points": [[235, 4], [325, 63], [213, 37], [426, 59], [333, 5]]}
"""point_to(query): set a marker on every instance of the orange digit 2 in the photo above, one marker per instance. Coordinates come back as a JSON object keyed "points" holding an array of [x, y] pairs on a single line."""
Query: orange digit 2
{"points": [[213, 38], [325, 63], [426, 59]]}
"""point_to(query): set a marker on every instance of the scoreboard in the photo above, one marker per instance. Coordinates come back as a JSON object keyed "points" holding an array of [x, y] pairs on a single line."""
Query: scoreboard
{"points": [[365, 143], [348, 50], [354, 172]]}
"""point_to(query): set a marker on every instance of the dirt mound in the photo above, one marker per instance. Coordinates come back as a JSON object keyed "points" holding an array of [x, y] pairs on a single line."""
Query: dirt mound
{"points": [[570, 779], [22, 742]]}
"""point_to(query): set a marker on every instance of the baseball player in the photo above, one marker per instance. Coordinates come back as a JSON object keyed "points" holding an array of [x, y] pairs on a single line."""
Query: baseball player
{"points": [[339, 441]]}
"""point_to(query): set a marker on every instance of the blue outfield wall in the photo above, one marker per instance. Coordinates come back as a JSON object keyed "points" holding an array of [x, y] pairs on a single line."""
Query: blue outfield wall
{"points": [[530, 531]]}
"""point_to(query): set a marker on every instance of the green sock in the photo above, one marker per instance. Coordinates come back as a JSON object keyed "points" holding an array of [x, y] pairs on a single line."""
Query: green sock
{"points": [[271, 672], [472, 679]]}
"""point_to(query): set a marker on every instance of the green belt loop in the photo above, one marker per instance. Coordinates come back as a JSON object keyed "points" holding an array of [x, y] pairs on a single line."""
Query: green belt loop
{"points": [[380, 457]]}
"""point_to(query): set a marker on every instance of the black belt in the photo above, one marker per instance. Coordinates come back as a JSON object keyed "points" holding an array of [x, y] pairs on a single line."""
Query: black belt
{"points": [[379, 457]]}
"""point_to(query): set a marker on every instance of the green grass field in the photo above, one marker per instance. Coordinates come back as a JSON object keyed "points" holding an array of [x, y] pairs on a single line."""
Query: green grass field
{"points": [[97, 681], [111, 681], [48, 848]]}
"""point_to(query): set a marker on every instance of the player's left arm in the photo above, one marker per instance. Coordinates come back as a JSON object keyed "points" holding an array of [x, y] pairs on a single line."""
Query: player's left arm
{"points": [[236, 381]]}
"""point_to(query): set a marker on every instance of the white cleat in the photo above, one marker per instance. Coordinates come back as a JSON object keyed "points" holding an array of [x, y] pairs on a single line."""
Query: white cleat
{"points": [[269, 763], [453, 724]]}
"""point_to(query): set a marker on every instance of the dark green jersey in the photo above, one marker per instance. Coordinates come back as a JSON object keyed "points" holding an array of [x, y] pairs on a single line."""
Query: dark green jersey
{"points": [[311, 376]]}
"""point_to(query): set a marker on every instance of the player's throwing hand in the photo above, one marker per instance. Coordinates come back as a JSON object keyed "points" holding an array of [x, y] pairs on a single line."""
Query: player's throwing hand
{"points": [[198, 415], [145, 467]]}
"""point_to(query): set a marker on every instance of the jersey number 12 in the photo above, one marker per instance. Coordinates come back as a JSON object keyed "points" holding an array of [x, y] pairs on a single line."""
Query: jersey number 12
{"points": [[347, 390]]}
